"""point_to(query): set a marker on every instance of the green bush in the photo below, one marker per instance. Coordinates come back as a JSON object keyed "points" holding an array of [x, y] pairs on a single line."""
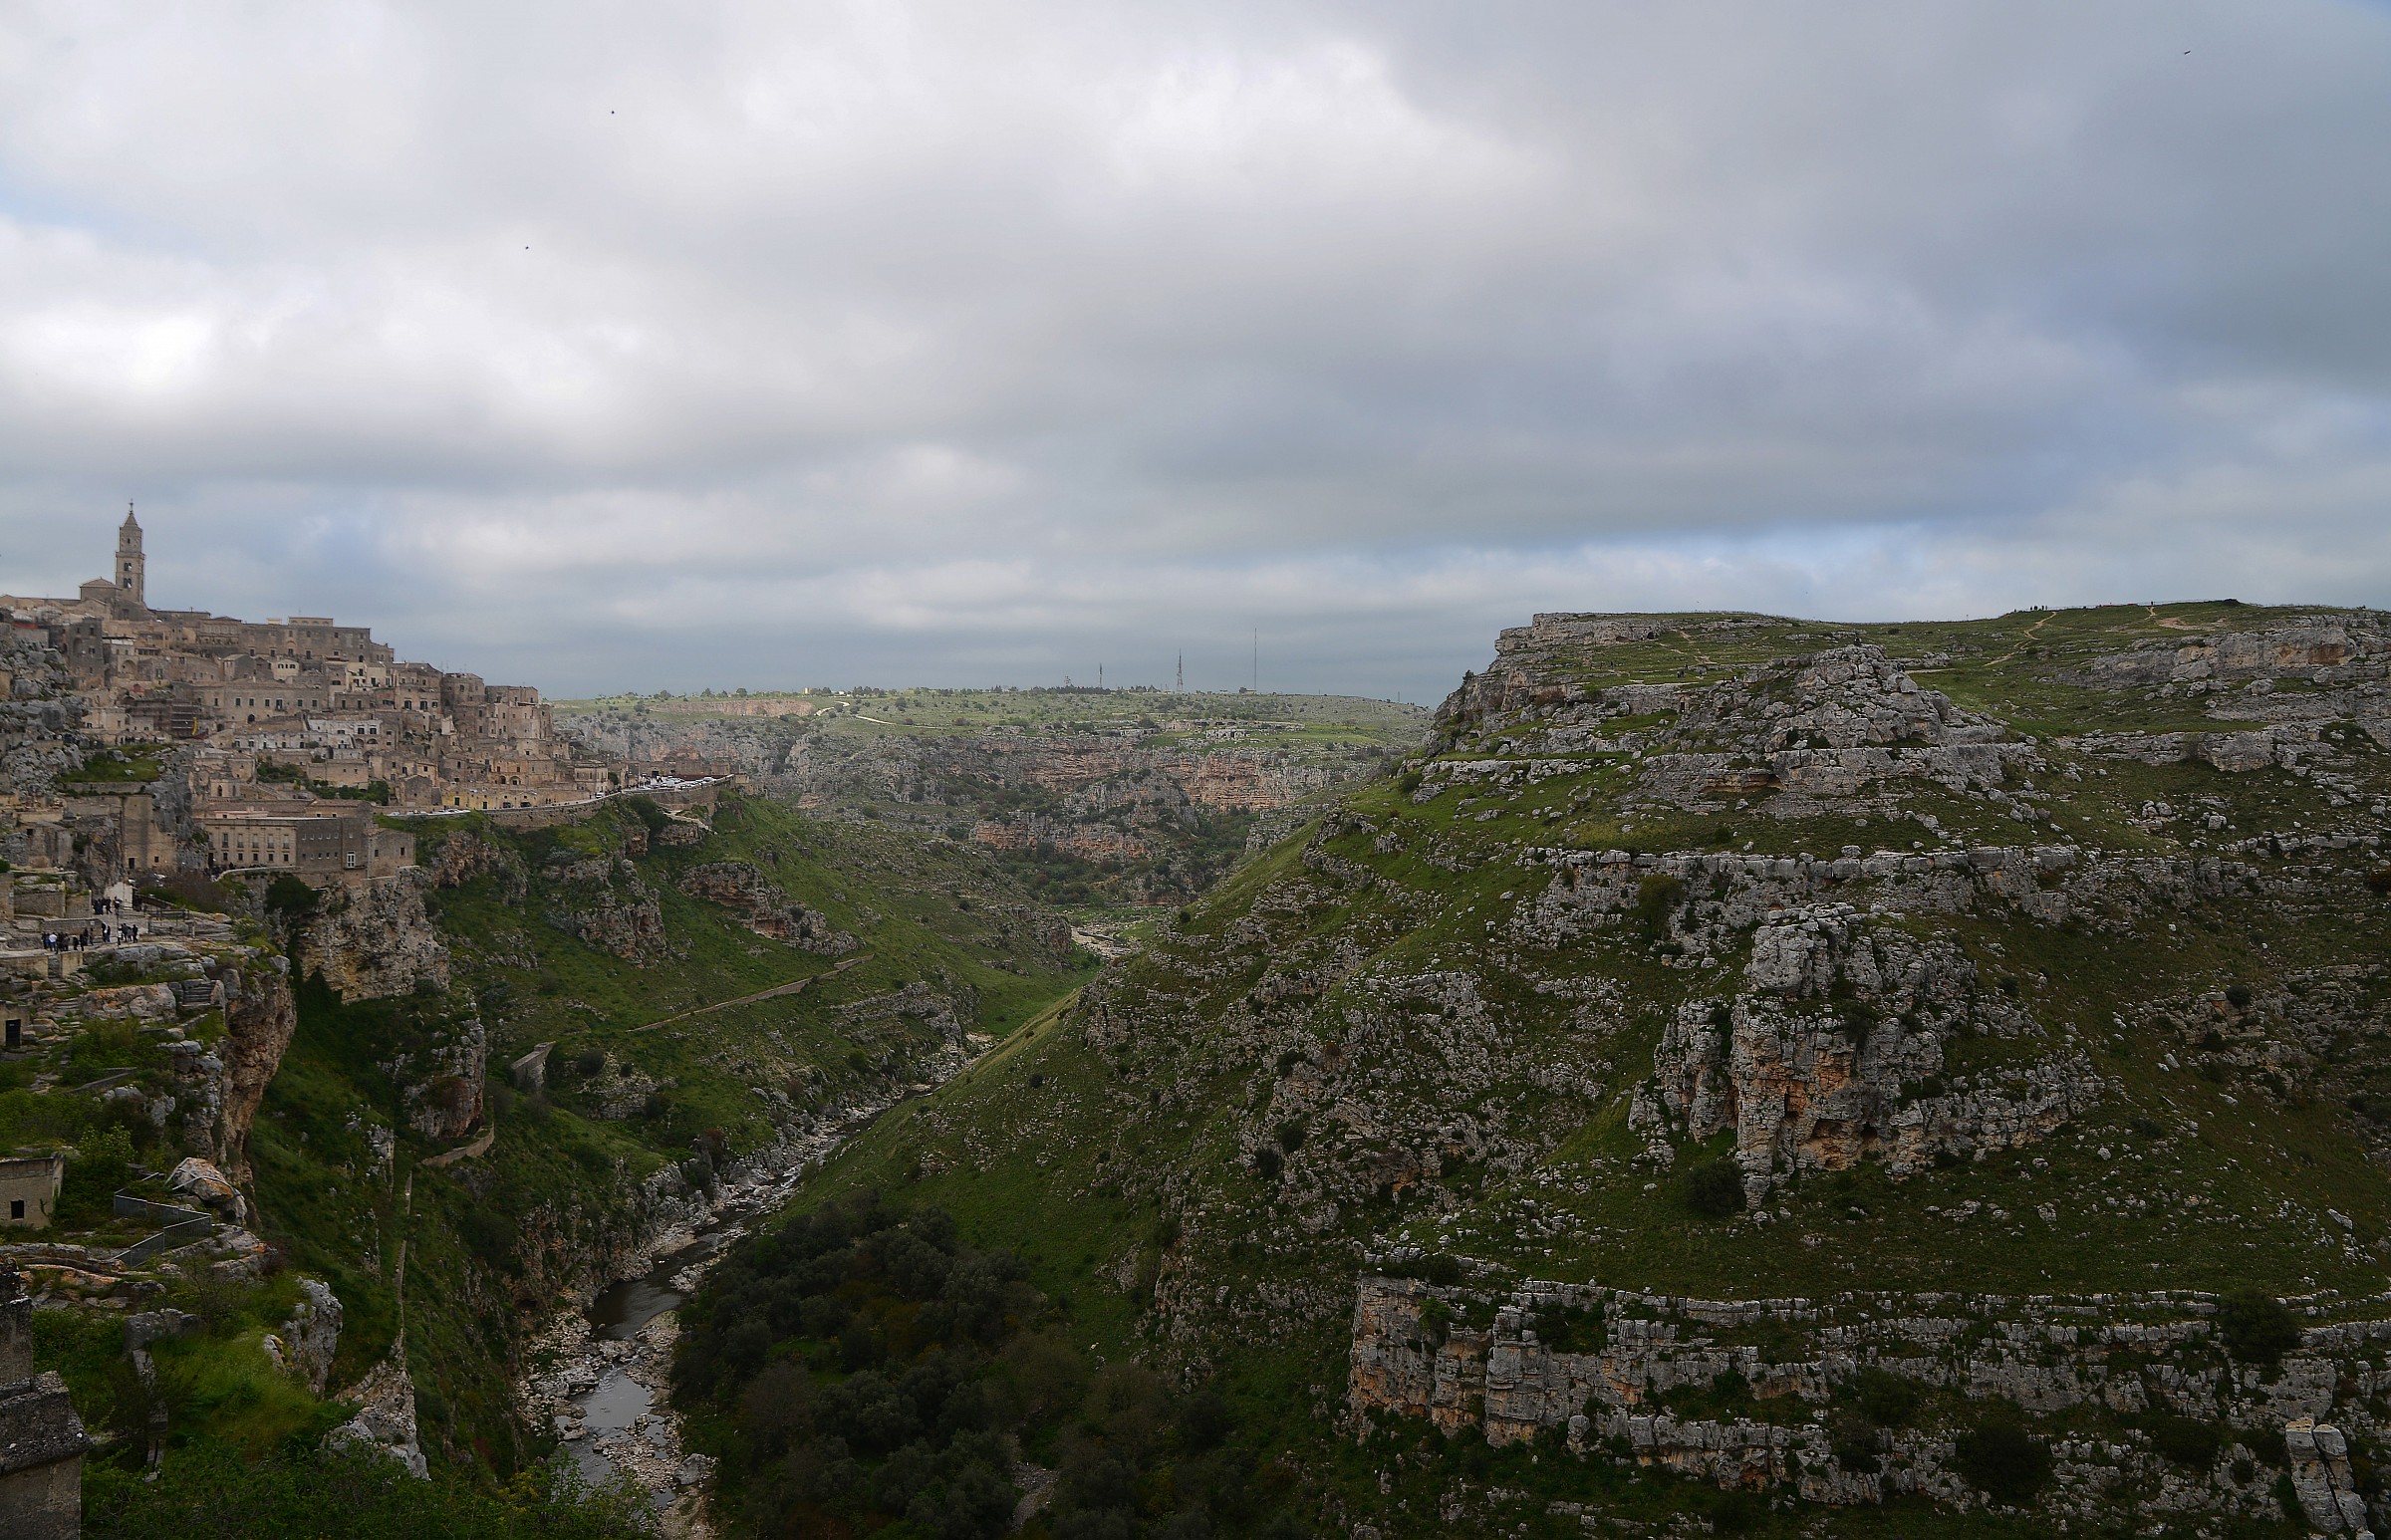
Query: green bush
{"points": [[2185, 1440], [1715, 1189], [2373, 1106], [290, 897], [1853, 1438], [1889, 1400], [103, 1165], [2001, 1459], [880, 1371], [1657, 897], [211, 1494], [2256, 1327], [2266, 1442]]}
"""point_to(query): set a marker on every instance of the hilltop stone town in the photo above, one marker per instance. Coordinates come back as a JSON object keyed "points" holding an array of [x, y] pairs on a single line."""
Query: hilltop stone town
{"points": [[249, 745]]}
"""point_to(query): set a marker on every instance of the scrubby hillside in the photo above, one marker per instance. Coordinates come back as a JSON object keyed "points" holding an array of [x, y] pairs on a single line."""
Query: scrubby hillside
{"points": [[470, 1101], [1893, 1076]]}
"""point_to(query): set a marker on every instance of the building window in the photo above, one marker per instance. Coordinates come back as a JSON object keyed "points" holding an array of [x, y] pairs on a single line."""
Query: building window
{"points": [[16, 1209]]}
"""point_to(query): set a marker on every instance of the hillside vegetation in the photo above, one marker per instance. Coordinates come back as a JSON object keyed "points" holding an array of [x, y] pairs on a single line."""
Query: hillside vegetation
{"points": [[610, 1024], [1920, 1077]]}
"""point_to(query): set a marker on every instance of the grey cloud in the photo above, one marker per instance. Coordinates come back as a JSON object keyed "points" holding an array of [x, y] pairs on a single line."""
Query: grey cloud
{"points": [[744, 343]]}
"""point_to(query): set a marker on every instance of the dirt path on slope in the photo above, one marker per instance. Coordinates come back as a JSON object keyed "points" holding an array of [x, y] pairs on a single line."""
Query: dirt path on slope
{"points": [[794, 986]]}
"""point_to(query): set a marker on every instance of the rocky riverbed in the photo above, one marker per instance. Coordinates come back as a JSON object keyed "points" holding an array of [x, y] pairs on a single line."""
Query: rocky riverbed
{"points": [[600, 1374]]}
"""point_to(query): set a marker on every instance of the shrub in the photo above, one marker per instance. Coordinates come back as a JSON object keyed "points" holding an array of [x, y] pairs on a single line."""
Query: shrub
{"points": [[102, 1163], [2256, 1327], [1715, 1189], [1435, 1267], [1853, 1438], [2237, 996], [2003, 1460], [2185, 1440], [1889, 1400], [2264, 1442], [327, 1494], [1268, 1161], [1739, 1512], [950, 1361], [1655, 896], [290, 897]]}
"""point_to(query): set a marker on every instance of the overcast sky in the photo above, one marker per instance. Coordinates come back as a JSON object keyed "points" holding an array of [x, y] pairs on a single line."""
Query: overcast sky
{"points": [[603, 346]]}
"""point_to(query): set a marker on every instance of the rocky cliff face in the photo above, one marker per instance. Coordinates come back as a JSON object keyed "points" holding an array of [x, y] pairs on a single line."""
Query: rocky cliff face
{"points": [[741, 887], [1835, 1056], [1156, 803], [441, 1079], [604, 902], [375, 941], [1604, 1364], [40, 712]]}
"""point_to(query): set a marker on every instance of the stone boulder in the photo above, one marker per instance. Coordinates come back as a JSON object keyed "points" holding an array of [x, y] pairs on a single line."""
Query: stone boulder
{"points": [[385, 1417]]}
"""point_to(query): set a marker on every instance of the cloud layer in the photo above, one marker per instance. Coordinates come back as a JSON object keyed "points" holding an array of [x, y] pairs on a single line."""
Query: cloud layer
{"points": [[608, 345]]}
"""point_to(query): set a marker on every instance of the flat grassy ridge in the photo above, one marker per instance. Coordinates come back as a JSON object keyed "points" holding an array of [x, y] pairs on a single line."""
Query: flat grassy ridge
{"points": [[1380, 1037]]}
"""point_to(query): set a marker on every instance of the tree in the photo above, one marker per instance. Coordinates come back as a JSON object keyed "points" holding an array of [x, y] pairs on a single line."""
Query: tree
{"points": [[2257, 1328], [2003, 1460], [1715, 1189]]}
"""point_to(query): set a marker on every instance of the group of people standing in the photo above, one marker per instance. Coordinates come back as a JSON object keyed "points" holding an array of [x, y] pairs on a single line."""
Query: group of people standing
{"points": [[90, 935], [98, 934]]}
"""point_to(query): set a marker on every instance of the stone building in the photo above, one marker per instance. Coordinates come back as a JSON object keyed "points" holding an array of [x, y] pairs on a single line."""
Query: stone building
{"points": [[319, 842], [29, 1189], [278, 739], [42, 1442]]}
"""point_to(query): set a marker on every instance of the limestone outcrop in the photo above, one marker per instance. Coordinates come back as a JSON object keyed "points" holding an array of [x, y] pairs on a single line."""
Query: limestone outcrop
{"points": [[1835, 1054], [1605, 1365], [465, 855], [439, 1080], [260, 1017], [305, 1345], [375, 941], [741, 887], [604, 902], [385, 1417]]}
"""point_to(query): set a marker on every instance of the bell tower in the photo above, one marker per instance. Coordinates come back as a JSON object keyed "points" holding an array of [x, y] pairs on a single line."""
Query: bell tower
{"points": [[130, 566]]}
